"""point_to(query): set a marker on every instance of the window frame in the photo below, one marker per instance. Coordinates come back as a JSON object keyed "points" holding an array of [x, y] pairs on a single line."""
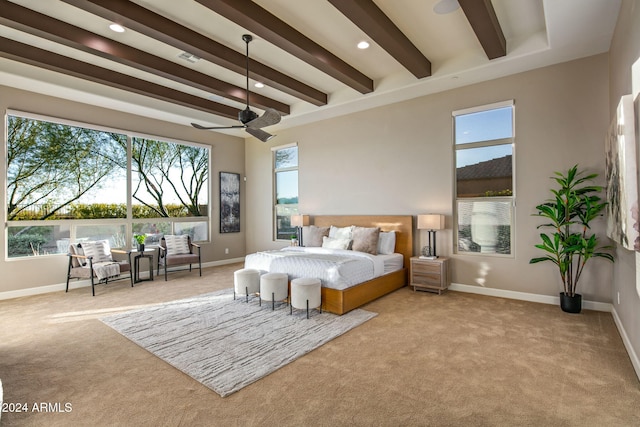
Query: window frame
{"points": [[482, 144], [275, 171], [129, 220]]}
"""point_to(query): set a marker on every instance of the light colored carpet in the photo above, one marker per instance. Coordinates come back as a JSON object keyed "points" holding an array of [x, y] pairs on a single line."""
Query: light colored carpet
{"points": [[227, 344]]}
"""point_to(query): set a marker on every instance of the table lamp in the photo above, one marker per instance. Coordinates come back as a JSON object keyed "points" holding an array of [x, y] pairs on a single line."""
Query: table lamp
{"points": [[298, 221], [431, 223]]}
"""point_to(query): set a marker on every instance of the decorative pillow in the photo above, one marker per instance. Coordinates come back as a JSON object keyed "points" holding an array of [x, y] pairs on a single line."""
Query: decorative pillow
{"points": [[341, 232], [177, 245], [387, 242], [99, 250], [365, 240], [312, 235], [331, 243]]}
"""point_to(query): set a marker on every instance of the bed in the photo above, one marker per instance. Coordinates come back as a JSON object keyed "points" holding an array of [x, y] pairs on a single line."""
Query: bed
{"points": [[342, 297]]}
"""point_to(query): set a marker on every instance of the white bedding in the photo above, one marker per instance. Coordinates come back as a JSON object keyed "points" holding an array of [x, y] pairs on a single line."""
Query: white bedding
{"points": [[336, 268]]}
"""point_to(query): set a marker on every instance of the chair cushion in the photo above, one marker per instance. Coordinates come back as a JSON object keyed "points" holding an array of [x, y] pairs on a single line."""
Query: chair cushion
{"points": [[182, 259], [99, 250], [177, 245]]}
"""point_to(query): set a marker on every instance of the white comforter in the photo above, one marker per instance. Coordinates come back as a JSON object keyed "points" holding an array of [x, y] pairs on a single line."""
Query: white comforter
{"points": [[336, 268]]}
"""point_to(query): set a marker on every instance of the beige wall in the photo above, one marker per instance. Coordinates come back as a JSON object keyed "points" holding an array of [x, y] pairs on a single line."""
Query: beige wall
{"points": [[227, 155], [624, 53], [398, 159]]}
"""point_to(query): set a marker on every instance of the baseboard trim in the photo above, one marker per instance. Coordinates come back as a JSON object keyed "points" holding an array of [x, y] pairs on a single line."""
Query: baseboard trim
{"points": [[86, 283], [635, 360], [524, 296]]}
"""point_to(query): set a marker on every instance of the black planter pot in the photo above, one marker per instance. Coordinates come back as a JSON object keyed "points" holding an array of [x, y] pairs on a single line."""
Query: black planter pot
{"points": [[140, 247], [570, 304]]}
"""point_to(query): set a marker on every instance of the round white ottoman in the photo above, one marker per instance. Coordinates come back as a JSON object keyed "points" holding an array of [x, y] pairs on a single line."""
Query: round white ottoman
{"points": [[306, 294], [274, 287], [246, 281]]}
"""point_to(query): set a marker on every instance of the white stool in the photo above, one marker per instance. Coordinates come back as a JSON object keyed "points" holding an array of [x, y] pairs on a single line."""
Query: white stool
{"points": [[274, 287], [306, 294], [246, 281]]}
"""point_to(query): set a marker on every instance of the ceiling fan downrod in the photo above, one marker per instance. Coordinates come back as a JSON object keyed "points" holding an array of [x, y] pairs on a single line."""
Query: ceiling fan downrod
{"points": [[247, 115]]}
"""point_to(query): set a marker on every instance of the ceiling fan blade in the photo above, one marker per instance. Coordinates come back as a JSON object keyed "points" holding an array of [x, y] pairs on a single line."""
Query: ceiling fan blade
{"points": [[197, 126], [259, 133], [270, 117]]}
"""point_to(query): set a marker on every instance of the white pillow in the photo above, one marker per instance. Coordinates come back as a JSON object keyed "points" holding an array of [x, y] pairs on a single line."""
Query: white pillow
{"points": [[341, 232], [99, 250], [177, 245], [387, 242], [331, 243]]}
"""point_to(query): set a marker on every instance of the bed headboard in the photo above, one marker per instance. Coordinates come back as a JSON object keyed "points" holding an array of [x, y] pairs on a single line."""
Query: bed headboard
{"points": [[401, 224]]}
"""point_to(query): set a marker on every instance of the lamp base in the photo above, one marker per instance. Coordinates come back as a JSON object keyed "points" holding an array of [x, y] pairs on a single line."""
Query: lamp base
{"points": [[428, 257]]}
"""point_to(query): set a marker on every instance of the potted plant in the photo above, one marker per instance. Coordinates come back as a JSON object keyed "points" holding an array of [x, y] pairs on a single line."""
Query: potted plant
{"points": [[140, 238], [294, 240], [571, 244]]}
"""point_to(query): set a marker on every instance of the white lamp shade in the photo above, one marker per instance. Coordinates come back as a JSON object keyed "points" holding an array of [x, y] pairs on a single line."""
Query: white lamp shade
{"points": [[299, 220], [431, 222]]}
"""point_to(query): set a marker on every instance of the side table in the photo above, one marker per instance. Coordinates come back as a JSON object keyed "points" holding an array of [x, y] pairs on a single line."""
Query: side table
{"points": [[429, 274], [136, 266]]}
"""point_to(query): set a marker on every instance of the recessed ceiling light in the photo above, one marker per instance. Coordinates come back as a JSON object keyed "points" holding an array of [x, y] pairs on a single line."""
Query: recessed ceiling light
{"points": [[363, 45], [259, 85], [117, 28], [446, 6]]}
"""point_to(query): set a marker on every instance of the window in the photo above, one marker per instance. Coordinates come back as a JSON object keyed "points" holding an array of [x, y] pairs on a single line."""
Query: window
{"points": [[68, 183], [285, 169], [484, 148]]}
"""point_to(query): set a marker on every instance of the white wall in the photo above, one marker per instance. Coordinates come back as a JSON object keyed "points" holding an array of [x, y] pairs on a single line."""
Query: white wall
{"points": [[227, 155], [398, 159], [624, 55]]}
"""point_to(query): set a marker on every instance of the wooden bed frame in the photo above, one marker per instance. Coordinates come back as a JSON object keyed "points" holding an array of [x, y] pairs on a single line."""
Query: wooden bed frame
{"points": [[343, 301]]}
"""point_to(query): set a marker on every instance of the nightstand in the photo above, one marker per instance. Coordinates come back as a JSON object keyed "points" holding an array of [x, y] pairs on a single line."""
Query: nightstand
{"points": [[429, 274]]}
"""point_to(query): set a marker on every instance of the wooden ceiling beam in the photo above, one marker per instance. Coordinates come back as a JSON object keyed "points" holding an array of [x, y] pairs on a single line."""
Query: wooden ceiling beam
{"points": [[41, 58], [31, 22], [482, 17], [146, 22], [259, 21], [370, 19]]}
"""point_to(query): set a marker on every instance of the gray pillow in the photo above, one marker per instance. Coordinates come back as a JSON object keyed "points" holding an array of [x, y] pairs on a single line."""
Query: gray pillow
{"points": [[365, 240], [312, 235]]}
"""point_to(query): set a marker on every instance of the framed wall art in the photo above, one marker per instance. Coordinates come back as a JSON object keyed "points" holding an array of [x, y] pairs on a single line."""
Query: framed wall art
{"points": [[622, 177], [229, 202]]}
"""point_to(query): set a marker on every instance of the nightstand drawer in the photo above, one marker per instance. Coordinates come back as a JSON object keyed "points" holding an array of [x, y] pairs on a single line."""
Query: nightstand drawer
{"points": [[427, 279], [423, 268]]}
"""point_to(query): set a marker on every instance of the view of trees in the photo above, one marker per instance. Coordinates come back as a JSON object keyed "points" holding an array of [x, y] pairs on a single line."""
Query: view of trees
{"points": [[162, 169], [60, 172], [52, 166]]}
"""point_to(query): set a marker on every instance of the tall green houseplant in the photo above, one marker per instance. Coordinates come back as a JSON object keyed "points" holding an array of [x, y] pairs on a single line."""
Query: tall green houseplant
{"points": [[569, 213]]}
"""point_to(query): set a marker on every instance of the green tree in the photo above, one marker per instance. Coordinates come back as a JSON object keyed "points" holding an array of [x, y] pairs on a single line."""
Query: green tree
{"points": [[55, 165], [165, 170]]}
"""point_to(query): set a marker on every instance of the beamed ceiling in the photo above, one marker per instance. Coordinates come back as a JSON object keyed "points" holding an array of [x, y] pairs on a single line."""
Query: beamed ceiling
{"points": [[304, 51]]}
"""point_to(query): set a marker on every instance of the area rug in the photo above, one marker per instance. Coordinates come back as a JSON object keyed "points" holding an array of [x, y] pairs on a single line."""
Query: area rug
{"points": [[227, 344]]}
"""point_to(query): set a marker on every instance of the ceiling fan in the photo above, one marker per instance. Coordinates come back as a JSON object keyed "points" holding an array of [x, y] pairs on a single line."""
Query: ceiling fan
{"points": [[251, 123]]}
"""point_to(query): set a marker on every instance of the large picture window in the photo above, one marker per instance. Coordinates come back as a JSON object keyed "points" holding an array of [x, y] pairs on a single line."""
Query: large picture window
{"points": [[67, 182], [484, 153], [285, 167]]}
